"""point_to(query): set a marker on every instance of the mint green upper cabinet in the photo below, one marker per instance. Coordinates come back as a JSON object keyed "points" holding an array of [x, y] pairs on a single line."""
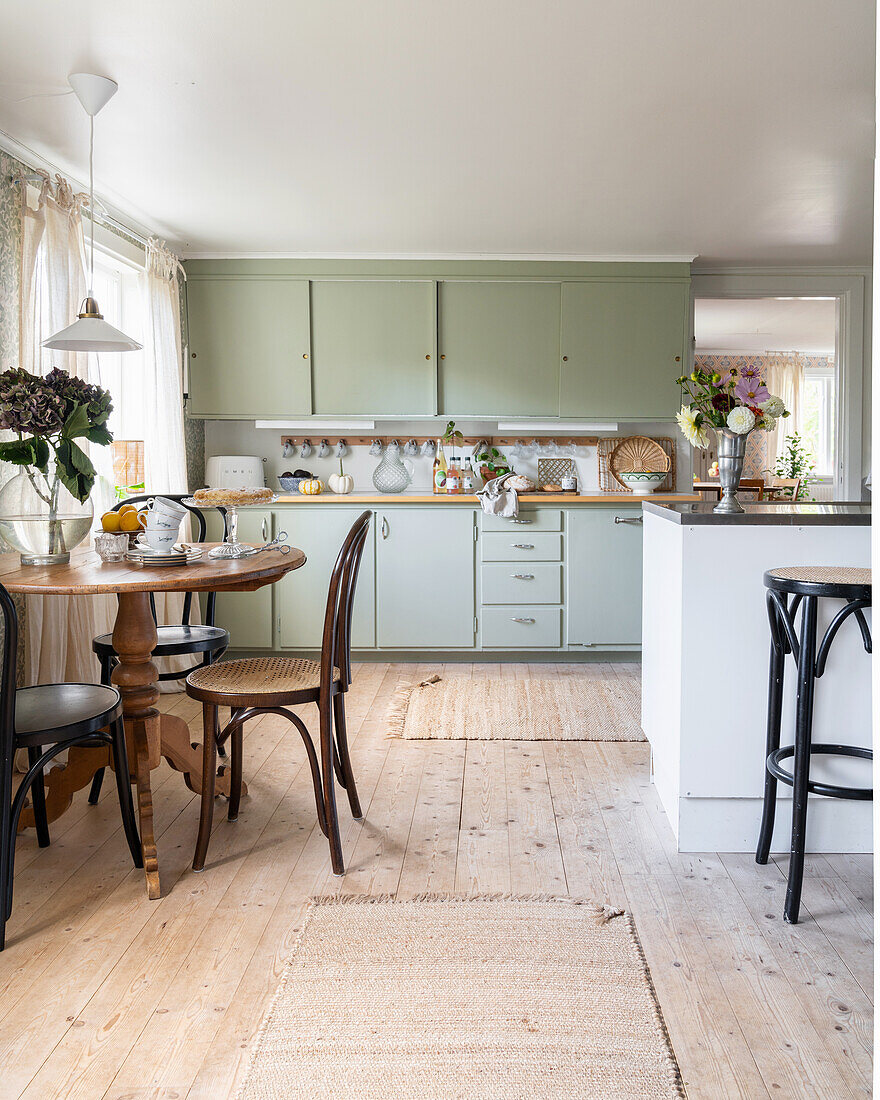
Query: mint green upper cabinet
{"points": [[425, 578], [248, 346], [499, 348], [301, 596], [604, 576], [620, 341], [373, 347]]}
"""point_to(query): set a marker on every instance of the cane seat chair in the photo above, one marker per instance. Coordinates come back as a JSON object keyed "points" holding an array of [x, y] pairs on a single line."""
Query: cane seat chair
{"points": [[204, 640], [45, 720], [268, 685]]}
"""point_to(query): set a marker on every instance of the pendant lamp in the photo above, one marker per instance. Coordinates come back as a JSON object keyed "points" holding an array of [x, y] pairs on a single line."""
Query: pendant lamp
{"points": [[90, 332]]}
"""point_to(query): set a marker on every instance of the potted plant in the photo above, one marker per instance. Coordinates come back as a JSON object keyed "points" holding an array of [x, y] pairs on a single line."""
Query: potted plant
{"points": [[492, 463], [733, 404], [45, 509], [796, 461]]}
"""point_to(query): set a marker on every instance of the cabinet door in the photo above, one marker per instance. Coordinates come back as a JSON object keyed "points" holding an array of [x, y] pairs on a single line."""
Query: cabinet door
{"points": [[604, 576], [620, 341], [246, 615], [373, 346], [301, 596], [248, 347], [499, 348], [425, 578]]}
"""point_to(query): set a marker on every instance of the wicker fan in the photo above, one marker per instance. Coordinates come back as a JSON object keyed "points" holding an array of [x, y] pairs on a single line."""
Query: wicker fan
{"points": [[638, 454]]}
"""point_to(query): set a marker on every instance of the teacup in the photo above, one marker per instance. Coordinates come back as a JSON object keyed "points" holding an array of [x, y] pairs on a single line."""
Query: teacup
{"points": [[159, 521], [163, 506], [158, 538]]}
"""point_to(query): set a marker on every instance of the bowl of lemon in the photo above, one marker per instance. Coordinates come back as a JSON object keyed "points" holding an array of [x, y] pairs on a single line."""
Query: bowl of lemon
{"points": [[119, 529]]}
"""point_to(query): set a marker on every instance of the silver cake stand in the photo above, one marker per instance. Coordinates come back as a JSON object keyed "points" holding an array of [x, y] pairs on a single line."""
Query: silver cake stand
{"points": [[231, 547]]}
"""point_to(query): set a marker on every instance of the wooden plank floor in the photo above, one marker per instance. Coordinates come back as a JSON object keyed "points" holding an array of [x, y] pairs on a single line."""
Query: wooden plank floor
{"points": [[106, 994]]}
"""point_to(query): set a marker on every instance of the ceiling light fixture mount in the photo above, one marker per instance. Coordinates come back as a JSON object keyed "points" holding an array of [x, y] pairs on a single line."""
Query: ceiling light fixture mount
{"points": [[90, 332]]}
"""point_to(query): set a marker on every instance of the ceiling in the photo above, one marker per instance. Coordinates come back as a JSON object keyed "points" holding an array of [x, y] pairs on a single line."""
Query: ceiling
{"points": [[753, 326], [739, 132]]}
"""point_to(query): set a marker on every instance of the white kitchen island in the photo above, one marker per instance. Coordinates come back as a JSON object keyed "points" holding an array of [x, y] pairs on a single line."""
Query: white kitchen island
{"points": [[705, 654]]}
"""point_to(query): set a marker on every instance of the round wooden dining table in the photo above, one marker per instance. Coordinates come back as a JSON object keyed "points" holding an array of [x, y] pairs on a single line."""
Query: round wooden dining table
{"points": [[150, 735]]}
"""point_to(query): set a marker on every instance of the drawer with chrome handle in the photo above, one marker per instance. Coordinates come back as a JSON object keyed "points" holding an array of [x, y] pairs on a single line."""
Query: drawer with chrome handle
{"points": [[536, 519], [504, 583], [521, 627], [536, 546]]}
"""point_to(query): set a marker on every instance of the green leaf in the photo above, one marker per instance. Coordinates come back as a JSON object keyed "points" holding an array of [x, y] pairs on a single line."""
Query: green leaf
{"points": [[75, 470], [20, 451], [99, 434], [77, 424], [41, 454]]}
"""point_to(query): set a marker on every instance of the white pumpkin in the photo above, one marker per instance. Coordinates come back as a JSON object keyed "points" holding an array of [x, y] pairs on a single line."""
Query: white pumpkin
{"points": [[341, 483]]}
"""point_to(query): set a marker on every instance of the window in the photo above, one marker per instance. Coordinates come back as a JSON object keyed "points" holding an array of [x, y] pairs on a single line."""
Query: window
{"points": [[819, 415]]}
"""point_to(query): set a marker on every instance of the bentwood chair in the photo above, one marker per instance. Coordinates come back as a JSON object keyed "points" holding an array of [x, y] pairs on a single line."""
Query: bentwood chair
{"points": [[46, 720], [207, 641], [783, 488], [268, 685]]}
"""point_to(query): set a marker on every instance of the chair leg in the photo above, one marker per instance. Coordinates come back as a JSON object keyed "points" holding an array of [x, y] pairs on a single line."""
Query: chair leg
{"points": [[235, 772], [38, 799], [209, 776], [329, 788], [344, 758], [123, 787], [774, 722], [98, 777], [803, 739], [7, 838]]}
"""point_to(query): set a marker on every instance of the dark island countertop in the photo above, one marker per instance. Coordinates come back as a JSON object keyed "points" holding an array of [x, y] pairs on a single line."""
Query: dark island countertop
{"points": [[782, 514]]}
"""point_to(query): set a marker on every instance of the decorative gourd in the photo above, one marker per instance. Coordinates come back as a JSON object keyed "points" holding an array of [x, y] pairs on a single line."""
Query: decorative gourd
{"points": [[341, 483], [312, 487]]}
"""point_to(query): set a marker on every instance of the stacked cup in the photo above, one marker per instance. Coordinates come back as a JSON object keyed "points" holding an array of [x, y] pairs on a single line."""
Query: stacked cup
{"points": [[161, 520]]}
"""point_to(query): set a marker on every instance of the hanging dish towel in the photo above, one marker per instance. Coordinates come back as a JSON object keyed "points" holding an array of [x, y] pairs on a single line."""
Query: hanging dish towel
{"points": [[496, 499]]}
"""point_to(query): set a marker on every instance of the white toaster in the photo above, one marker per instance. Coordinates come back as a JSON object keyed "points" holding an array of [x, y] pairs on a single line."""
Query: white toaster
{"points": [[234, 472]]}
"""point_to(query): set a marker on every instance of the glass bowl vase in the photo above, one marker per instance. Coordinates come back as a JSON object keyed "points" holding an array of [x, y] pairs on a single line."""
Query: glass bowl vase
{"points": [[41, 520]]}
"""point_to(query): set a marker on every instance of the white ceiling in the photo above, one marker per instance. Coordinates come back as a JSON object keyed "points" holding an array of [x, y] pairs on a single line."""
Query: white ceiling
{"points": [[737, 130], [753, 326]]}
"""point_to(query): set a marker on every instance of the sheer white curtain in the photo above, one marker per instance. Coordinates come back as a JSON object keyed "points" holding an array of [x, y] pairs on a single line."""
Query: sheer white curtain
{"points": [[59, 628], [784, 377]]}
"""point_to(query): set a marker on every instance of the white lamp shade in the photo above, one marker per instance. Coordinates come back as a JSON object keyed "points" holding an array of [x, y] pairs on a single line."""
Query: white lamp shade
{"points": [[91, 334]]}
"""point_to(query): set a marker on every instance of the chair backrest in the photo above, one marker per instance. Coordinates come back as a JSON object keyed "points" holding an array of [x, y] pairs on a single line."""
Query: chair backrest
{"points": [[784, 488], [8, 674], [200, 531], [336, 640]]}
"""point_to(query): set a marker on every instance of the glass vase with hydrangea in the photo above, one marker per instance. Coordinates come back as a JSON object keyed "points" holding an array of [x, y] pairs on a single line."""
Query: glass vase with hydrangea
{"points": [[733, 403], [45, 510]]}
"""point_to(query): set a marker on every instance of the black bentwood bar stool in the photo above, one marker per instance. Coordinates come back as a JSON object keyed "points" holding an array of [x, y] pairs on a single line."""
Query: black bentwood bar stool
{"points": [[44, 720], [206, 641], [806, 585]]}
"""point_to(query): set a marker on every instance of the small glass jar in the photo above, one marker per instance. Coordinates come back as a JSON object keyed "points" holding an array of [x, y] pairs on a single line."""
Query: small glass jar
{"points": [[111, 547]]}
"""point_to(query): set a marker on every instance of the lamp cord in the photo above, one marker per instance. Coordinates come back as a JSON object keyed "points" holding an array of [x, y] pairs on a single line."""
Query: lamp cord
{"points": [[91, 203]]}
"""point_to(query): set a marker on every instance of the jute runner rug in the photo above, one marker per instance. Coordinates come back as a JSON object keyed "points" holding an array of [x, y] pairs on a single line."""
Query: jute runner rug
{"points": [[568, 709], [472, 998]]}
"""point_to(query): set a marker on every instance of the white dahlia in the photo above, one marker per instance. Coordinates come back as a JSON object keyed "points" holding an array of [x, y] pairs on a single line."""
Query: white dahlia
{"points": [[773, 406], [740, 420], [768, 423], [693, 431]]}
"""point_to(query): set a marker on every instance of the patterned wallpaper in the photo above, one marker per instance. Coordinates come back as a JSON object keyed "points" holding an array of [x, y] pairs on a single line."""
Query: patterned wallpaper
{"points": [[10, 259], [757, 460]]}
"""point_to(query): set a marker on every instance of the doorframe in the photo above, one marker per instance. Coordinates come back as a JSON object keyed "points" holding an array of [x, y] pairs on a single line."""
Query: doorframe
{"points": [[850, 287]]}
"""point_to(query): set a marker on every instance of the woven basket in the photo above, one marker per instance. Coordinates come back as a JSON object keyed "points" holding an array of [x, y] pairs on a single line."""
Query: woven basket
{"points": [[608, 483]]}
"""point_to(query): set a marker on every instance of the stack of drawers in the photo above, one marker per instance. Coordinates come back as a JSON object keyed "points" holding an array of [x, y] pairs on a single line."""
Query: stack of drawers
{"points": [[521, 580]]}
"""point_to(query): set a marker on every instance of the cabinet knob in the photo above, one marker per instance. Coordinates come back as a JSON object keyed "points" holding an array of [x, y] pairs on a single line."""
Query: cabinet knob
{"points": [[442, 356], [384, 528], [678, 358], [427, 356], [193, 355], [627, 519], [305, 355], [565, 359]]}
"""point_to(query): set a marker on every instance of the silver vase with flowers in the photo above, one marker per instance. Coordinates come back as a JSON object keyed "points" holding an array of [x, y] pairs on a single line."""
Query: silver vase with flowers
{"points": [[733, 403]]}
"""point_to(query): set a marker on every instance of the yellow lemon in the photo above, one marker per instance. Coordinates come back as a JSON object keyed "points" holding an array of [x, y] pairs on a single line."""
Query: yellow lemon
{"points": [[110, 521], [128, 508], [129, 521]]}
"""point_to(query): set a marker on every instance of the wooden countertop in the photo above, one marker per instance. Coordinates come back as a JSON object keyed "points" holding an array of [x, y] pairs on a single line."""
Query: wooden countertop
{"points": [[559, 499]]}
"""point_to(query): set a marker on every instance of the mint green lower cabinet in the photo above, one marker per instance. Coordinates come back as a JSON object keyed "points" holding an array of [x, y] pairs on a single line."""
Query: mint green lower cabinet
{"points": [[510, 582], [522, 627], [246, 615], [425, 578], [604, 576], [301, 596]]}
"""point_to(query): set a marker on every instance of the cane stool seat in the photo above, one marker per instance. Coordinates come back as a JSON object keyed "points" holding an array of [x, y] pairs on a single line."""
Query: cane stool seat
{"points": [[835, 581], [255, 681]]}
